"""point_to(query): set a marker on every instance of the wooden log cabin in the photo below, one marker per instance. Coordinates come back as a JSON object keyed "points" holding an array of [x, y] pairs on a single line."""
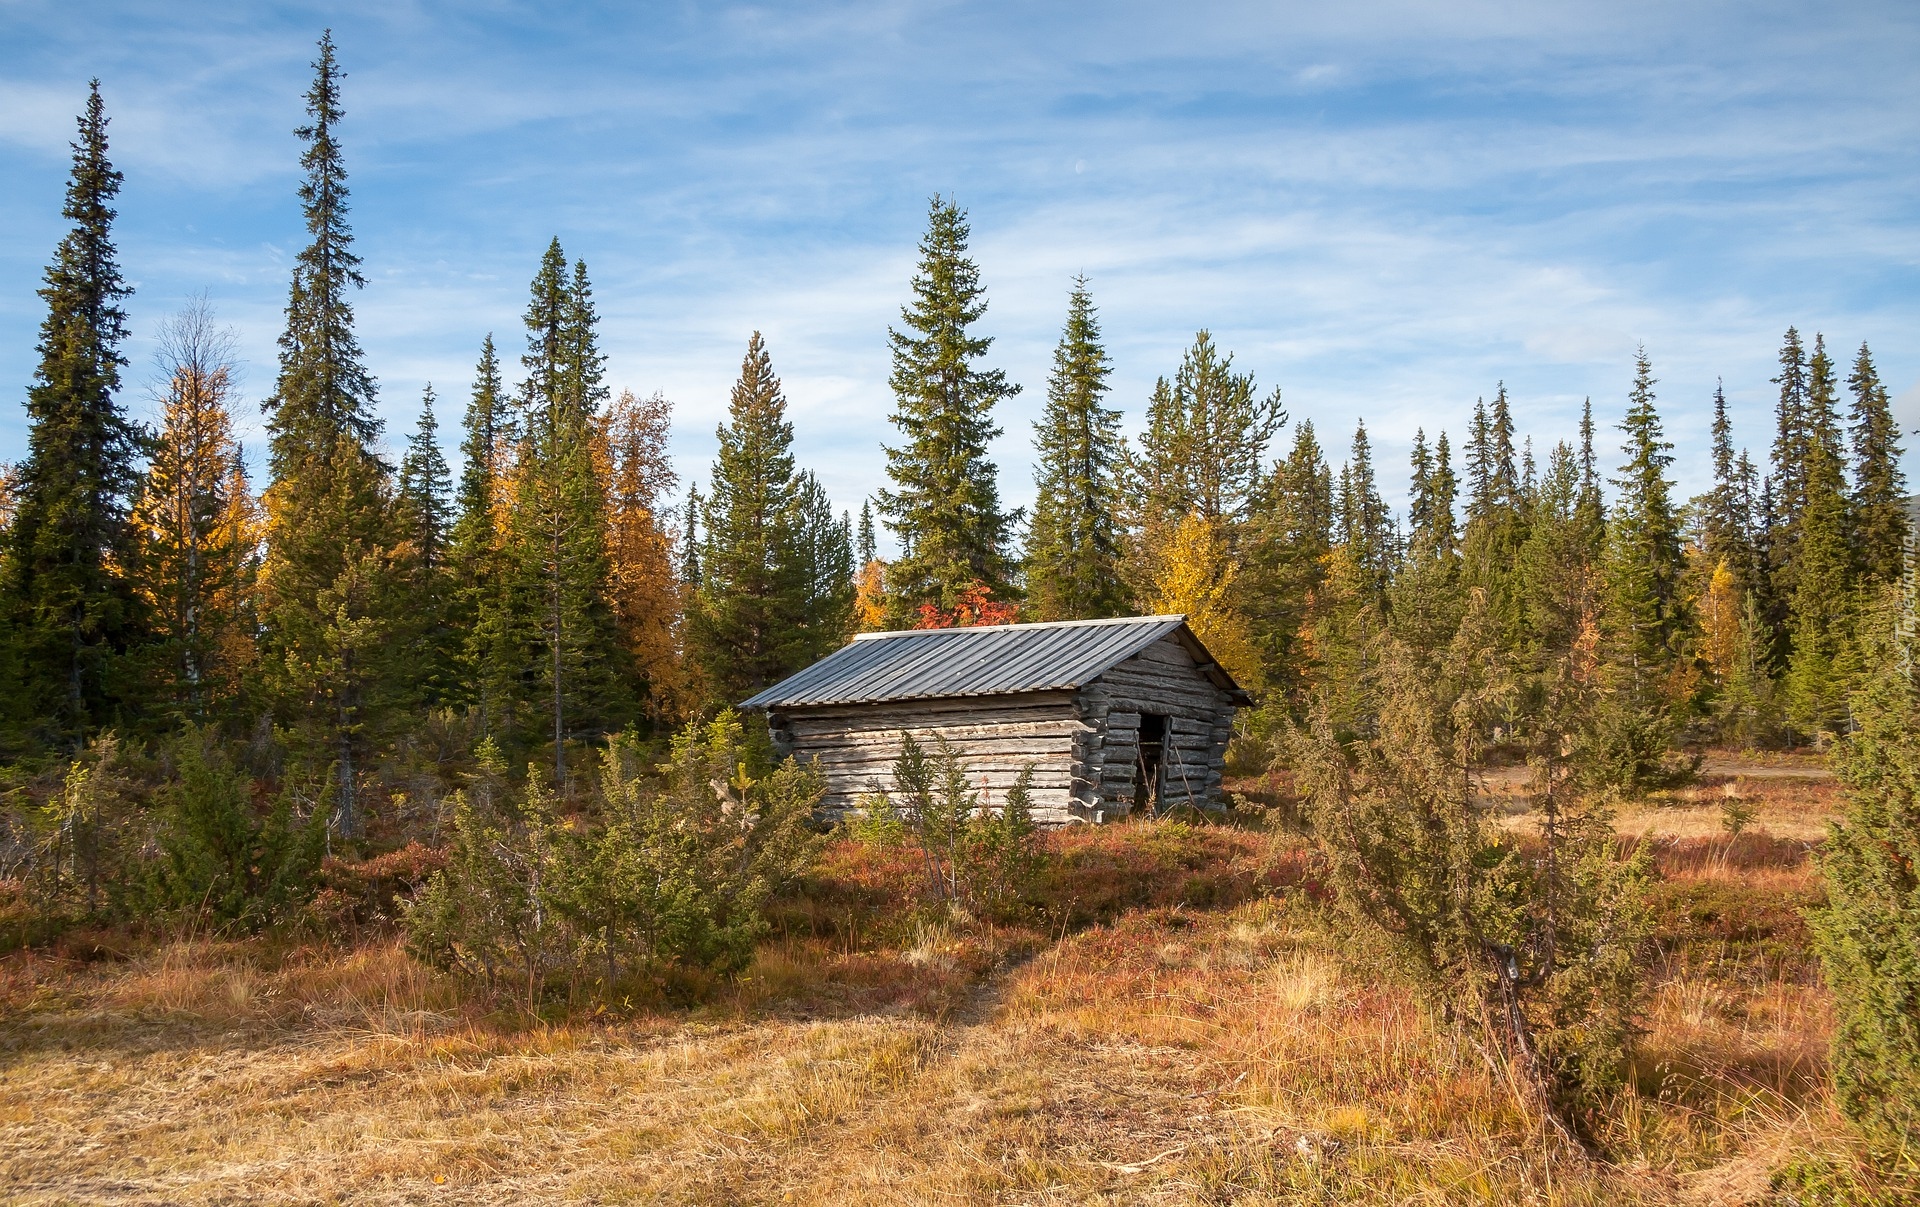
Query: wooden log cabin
{"points": [[1113, 715]]}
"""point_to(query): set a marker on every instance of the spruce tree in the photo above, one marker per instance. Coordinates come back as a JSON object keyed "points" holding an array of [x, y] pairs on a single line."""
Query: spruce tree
{"points": [[1424, 600], [690, 544], [824, 546], [1365, 525], [945, 502], [1430, 518], [1647, 614], [559, 533], [1728, 520], [867, 548], [1792, 445], [1073, 548], [481, 608], [328, 590], [1557, 569], [746, 628], [424, 514], [1495, 527], [1879, 486], [1821, 609], [1290, 534], [68, 597], [1589, 503], [426, 489], [198, 528]]}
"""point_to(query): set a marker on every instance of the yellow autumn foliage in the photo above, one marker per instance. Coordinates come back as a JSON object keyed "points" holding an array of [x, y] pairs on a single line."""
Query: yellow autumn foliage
{"points": [[1193, 574]]}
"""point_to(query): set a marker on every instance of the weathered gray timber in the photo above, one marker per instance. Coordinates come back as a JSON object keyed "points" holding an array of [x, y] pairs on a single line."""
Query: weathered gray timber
{"points": [[1111, 715]]}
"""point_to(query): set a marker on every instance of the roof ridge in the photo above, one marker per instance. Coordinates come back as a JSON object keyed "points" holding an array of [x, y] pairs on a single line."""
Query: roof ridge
{"points": [[1031, 624]]}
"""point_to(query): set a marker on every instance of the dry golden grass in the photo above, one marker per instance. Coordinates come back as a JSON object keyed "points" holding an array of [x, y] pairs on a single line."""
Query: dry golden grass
{"points": [[1231, 1052]]}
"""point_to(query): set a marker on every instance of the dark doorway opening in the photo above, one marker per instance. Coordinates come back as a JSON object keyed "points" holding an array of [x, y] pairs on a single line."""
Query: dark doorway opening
{"points": [[1152, 755]]}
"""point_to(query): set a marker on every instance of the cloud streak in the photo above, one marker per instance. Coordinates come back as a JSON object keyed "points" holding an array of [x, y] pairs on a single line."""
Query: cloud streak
{"points": [[1384, 210]]}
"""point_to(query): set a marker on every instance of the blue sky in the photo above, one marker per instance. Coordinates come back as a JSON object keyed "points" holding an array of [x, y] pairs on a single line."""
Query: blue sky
{"points": [[1383, 209]]}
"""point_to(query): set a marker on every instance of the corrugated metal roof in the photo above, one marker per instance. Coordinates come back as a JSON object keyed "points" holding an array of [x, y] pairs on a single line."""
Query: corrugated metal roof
{"points": [[995, 660]]}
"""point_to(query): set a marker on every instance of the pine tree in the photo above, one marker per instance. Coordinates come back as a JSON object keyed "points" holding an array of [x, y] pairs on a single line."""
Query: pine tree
{"points": [[945, 504], [1647, 613], [198, 526], [559, 532], [327, 583], [1204, 448], [1073, 548], [746, 628], [646, 591], [68, 598], [1879, 486]]}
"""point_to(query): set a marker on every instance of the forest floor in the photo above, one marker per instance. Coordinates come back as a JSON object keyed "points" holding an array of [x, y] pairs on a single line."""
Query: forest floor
{"points": [[1183, 1026]]}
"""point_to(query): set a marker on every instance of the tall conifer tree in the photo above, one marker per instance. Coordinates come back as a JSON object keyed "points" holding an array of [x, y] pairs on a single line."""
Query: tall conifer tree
{"points": [[559, 533], [867, 546], [1647, 612], [1558, 578], [1821, 609], [68, 598], [1879, 486], [426, 489], [1366, 526], [1728, 522], [328, 597], [825, 549], [424, 513], [1424, 599], [1204, 448], [1289, 536], [1433, 530], [747, 624], [1791, 447], [481, 608], [1073, 548], [1592, 507], [1495, 527], [945, 500]]}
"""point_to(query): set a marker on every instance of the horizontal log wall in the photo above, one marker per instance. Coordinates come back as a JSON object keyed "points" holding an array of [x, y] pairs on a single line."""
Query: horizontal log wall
{"points": [[1162, 679], [996, 737]]}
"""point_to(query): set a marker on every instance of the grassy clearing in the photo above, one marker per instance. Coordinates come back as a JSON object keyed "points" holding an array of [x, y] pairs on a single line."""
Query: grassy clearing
{"points": [[1178, 1026]]}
